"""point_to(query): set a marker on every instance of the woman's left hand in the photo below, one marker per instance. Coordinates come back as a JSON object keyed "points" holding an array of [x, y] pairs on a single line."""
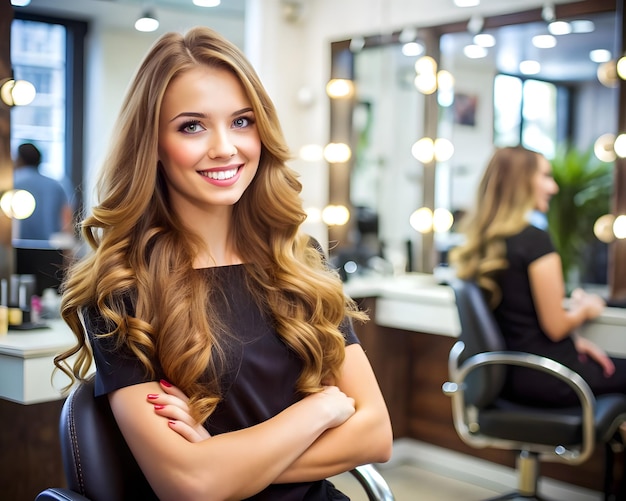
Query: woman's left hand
{"points": [[172, 404], [585, 348]]}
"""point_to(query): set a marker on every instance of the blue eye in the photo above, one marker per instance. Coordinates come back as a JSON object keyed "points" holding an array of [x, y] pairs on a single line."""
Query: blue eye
{"points": [[191, 127], [241, 122]]}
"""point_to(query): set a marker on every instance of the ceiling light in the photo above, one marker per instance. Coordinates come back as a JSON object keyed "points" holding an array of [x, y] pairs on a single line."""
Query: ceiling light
{"points": [[412, 49], [475, 51], [485, 40], [147, 22], [544, 41], [560, 28], [206, 3], [529, 67], [466, 3], [600, 55], [20, 3]]}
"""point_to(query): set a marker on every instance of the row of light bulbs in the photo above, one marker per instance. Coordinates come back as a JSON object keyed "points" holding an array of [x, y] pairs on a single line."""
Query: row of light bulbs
{"points": [[423, 220]]}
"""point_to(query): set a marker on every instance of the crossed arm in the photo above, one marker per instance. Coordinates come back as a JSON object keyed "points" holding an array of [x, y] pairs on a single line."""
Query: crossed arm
{"points": [[319, 436]]}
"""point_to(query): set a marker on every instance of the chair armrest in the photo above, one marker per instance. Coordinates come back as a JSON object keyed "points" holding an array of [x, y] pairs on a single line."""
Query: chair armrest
{"points": [[373, 483], [58, 494], [455, 389]]}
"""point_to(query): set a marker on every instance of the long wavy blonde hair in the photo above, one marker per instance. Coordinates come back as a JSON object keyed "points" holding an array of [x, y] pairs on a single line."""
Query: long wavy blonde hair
{"points": [[504, 199], [139, 248]]}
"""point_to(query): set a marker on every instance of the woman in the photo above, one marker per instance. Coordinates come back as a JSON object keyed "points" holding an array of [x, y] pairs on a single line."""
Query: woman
{"points": [[516, 265], [199, 277]]}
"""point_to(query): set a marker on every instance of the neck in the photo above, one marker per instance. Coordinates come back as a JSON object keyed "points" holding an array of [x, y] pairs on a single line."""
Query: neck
{"points": [[218, 249]]}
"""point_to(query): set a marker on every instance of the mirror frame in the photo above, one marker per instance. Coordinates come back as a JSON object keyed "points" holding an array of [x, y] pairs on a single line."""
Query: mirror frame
{"points": [[342, 66]]}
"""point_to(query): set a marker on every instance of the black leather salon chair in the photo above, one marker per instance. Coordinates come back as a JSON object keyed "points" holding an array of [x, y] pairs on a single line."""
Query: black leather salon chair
{"points": [[482, 418], [99, 466]]}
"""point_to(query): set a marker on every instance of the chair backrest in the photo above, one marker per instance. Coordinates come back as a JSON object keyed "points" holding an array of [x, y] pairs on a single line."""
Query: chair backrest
{"points": [[97, 462], [480, 333]]}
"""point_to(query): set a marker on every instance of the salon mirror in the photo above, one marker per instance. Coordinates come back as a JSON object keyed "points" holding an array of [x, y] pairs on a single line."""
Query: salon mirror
{"points": [[490, 103]]}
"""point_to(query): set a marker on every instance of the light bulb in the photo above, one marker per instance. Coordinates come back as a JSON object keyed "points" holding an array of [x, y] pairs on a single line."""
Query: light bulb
{"points": [[17, 204], [337, 153], [17, 92], [147, 22], [340, 88]]}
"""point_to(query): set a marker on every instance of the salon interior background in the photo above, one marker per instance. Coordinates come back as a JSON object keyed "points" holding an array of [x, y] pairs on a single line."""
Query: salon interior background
{"points": [[287, 40]]}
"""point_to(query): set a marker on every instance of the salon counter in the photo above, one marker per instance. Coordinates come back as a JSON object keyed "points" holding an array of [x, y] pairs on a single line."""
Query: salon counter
{"points": [[27, 363], [416, 302], [30, 406]]}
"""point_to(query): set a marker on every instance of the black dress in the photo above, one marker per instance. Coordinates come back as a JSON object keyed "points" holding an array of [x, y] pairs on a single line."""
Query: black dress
{"points": [[517, 318], [257, 383]]}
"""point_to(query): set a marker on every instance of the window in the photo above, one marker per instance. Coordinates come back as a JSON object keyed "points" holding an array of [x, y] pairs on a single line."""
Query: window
{"points": [[49, 53], [527, 112]]}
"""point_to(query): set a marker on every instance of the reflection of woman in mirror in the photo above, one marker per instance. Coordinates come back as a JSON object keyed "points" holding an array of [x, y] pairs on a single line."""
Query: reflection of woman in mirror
{"points": [[200, 277], [517, 267]]}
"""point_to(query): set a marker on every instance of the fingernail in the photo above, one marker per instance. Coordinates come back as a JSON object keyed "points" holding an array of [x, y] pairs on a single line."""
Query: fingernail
{"points": [[172, 422], [159, 406], [152, 396], [165, 383]]}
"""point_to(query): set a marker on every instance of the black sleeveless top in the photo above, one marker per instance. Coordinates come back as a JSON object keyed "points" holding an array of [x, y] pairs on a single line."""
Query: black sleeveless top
{"points": [[257, 381]]}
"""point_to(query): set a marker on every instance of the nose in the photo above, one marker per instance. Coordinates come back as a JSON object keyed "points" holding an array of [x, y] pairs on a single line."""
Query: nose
{"points": [[555, 187], [221, 145]]}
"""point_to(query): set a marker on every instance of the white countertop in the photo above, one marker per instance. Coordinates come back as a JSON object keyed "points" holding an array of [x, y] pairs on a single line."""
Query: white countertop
{"points": [[27, 374], [50, 340], [416, 302]]}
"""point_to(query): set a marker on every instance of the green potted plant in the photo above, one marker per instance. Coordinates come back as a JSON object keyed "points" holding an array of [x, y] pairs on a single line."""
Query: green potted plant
{"points": [[585, 189]]}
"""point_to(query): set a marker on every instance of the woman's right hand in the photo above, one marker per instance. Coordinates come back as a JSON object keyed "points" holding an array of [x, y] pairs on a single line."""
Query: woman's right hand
{"points": [[592, 304], [337, 405], [172, 405]]}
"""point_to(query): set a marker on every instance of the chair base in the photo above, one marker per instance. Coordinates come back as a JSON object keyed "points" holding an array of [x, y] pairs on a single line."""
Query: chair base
{"points": [[519, 496]]}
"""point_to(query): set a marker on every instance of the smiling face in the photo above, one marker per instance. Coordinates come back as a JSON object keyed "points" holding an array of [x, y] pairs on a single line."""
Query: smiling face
{"points": [[209, 145], [544, 185]]}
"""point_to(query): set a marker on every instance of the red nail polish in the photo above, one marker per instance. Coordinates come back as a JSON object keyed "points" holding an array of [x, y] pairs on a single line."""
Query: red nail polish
{"points": [[172, 422], [159, 407], [165, 383], [152, 396]]}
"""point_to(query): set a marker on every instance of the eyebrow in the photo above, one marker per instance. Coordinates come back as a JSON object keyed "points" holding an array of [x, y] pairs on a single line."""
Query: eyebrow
{"points": [[193, 114]]}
